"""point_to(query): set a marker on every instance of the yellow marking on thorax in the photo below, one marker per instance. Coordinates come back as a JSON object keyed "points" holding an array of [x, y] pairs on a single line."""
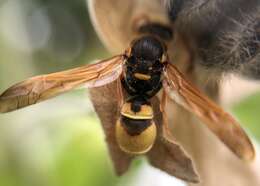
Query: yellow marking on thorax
{"points": [[142, 76]]}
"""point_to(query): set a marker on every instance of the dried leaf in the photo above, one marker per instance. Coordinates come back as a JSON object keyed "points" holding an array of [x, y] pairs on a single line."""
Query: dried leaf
{"points": [[168, 155]]}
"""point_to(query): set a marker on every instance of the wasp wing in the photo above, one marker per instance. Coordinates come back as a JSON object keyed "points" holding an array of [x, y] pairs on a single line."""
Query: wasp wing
{"points": [[222, 124], [43, 87]]}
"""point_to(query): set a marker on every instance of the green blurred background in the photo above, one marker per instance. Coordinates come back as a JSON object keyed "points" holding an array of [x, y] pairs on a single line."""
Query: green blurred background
{"points": [[60, 142]]}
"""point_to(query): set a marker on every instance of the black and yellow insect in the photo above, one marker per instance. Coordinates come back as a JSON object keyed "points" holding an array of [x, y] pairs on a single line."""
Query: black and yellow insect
{"points": [[135, 129], [141, 71]]}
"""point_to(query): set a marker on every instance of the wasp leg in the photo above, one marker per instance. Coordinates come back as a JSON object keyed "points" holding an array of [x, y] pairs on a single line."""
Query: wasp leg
{"points": [[154, 91], [120, 94], [127, 88], [165, 125]]}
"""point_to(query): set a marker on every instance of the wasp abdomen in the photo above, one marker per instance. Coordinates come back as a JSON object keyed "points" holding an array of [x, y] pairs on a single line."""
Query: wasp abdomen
{"points": [[134, 141], [135, 131]]}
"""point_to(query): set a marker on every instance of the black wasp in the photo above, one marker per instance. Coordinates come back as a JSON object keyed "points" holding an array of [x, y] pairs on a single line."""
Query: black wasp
{"points": [[143, 69]]}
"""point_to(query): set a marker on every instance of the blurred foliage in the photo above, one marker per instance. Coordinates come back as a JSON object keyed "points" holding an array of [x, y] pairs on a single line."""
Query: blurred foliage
{"points": [[247, 112], [60, 142]]}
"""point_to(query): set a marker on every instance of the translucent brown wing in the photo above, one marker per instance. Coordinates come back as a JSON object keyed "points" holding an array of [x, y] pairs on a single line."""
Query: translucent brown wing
{"points": [[218, 121], [43, 87]]}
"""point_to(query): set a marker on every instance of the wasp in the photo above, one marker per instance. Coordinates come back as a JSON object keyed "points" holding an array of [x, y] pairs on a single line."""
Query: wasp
{"points": [[141, 71]]}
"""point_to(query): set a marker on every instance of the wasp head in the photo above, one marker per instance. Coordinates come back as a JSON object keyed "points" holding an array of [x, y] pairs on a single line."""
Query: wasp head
{"points": [[146, 57]]}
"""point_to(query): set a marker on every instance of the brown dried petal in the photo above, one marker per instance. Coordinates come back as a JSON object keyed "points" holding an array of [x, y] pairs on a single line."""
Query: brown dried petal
{"points": [[170, 156]]}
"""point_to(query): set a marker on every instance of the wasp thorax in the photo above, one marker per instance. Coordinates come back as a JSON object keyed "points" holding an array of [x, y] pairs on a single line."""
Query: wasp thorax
{"points": [[135, 129]]}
